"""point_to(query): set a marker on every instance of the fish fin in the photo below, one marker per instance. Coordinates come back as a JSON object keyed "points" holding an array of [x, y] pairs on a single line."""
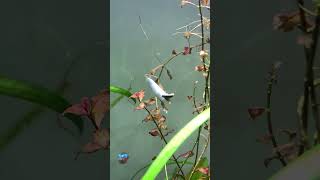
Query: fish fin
{"points": [[168, 96]]}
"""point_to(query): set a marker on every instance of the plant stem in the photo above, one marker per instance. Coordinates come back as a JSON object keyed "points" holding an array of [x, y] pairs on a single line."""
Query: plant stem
{"points": [[313, 95], [309, 73], [164, 139], [204, 149], [174, 56], [270, 129], [304, 118]]}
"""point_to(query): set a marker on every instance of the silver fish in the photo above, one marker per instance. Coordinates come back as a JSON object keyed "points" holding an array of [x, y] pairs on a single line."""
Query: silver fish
{"points": [[156, 89]]}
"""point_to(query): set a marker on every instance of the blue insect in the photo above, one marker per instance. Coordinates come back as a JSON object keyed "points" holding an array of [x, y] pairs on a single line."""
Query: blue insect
{"points": [[123, 157]]}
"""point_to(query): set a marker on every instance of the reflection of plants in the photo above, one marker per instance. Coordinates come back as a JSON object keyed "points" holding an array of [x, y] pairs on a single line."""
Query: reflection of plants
{"points": [[35, 94], [308, 23], [153, 106]]}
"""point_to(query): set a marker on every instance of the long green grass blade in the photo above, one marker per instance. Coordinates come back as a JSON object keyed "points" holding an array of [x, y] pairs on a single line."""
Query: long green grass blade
{"points": [[174, 144], [121, 91], [38, 95], [306, 166]]}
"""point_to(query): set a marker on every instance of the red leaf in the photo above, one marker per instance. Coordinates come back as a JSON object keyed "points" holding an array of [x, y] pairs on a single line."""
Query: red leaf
{"points": [[255, 112], [154, 132], [186, 51], [80, 109], [138, 95], [204, 170], [100, 104], [199, 68], [142, 105], [102, 138], [288, 21], [150, 101]]}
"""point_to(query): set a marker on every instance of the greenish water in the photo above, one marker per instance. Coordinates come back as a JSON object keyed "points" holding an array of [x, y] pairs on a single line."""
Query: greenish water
{"points": [[132, 55]]}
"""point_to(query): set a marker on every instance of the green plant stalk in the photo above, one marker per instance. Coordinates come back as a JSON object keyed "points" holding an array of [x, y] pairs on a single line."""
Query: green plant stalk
{"points": [[121, 91], [168, 164], [163, 138], [308, 163], [38, 95], [174, 144]]}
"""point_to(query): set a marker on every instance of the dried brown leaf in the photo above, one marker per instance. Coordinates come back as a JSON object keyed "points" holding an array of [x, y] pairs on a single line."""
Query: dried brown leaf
{"points": [[266, 139], [186, 154], [142, 105], [255, 112], [305, 40], [138, 95]]}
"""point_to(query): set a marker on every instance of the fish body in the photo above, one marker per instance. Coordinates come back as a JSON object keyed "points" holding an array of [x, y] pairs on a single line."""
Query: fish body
{"points": [[156, 89]]}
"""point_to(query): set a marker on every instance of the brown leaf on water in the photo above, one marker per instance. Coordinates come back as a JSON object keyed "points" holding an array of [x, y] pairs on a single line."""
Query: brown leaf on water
{"points": [[186, 154], [174, 52], [83, 108], [288, 21], [101, 140], [148, 118], [305, 40], [154, 132], [142, 105], [100, 104], [138, 95], [255, 112], [199, 68], [155, 113], [205, 2], [163, 126], [189, 97], [150, 101], [95, 108], [187, 51], [266, 139]]}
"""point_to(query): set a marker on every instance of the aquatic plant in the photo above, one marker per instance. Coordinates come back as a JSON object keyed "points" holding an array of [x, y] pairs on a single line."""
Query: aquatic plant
{"points": [[155, 106], [299, 140], [41, 97]]}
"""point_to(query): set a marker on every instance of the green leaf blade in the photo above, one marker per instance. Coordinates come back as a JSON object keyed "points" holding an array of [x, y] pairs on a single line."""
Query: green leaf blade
{"points": [[175, 143]]}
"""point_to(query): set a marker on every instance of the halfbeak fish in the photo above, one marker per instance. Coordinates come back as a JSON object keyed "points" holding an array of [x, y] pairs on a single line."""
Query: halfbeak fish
{"points": [[160, 93]]}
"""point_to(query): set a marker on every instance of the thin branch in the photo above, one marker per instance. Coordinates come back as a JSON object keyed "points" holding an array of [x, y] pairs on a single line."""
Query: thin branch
{"points": [[144, 32], [163, 137], [305, 106], [270, 128], [313, 95]]}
